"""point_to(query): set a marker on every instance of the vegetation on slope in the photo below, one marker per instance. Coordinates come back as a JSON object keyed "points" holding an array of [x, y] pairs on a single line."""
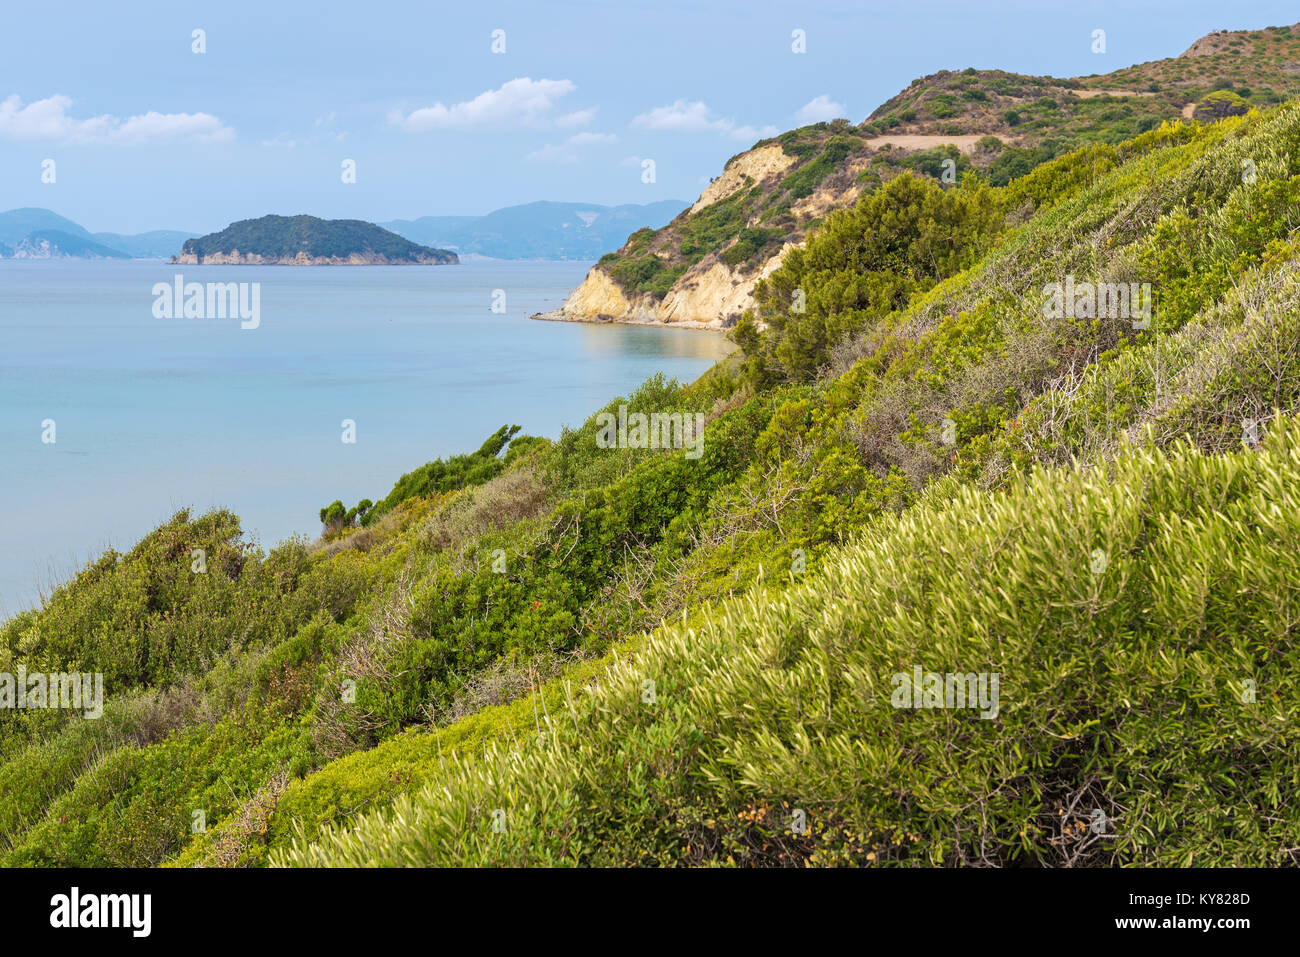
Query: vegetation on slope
{"points": [[1160, 698], [1021, 121], [484, 644], [277, 238], [440, 475]]}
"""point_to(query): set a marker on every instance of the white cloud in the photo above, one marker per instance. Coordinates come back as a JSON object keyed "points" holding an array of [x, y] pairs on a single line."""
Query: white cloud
{"points": [[683, 117], [820, 109], [694, 116], [567, 152], [550, 153], [520, 101], [577, 118], [155, 126], [49, 119], [750, 134]]}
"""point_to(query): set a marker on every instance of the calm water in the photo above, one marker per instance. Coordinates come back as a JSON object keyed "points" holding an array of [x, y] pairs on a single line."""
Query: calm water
{"points": [[152, 415]]}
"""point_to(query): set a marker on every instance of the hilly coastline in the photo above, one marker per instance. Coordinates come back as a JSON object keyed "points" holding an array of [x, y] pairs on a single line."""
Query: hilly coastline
{"points": [[541, 230], [704, 267], [929, 574]]}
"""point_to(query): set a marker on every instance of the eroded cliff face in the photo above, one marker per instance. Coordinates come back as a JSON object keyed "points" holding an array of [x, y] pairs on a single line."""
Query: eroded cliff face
{"points": [[708, 295], [714, 293], [711, 293], [599, 297], [765, 162]]}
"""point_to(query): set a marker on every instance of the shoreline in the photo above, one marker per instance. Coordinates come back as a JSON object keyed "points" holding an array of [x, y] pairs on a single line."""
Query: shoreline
{"points": [[298, 261], [606, 319]]}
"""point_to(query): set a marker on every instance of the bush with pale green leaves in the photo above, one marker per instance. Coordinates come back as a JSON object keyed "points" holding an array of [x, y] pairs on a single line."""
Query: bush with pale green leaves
{"points": [[1141, 620], [921, 469]]}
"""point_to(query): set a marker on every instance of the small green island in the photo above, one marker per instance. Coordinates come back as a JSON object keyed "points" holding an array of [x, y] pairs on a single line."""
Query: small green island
{"points": [[308, 241]]}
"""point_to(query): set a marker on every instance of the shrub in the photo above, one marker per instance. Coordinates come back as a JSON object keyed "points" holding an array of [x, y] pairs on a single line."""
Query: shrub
{"points": [[1143, 676]]}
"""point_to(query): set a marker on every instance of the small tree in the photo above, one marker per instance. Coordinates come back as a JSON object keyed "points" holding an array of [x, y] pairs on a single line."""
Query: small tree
{"points": [[334, 516]]}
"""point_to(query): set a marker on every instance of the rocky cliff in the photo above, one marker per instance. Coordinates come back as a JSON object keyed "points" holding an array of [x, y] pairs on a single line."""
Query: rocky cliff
{"points": [[711, 292]]}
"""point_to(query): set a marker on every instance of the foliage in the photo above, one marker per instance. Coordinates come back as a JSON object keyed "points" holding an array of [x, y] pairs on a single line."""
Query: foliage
{"points": [[284, 237], [917, 469], [440, 475], [1154, 689], [865, 261]]}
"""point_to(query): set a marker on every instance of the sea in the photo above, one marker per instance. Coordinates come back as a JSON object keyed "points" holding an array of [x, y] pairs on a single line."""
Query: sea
{"points": [[117, 410]]}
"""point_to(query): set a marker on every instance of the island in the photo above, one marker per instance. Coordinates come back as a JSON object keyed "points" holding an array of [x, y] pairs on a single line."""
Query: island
{"points": [[308, 241]]}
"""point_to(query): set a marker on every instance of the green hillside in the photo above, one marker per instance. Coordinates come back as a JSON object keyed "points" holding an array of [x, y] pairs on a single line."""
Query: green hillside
{"points": [[1011, 123], [70, 244], [558, 653], [284, 238], [18, 224]]}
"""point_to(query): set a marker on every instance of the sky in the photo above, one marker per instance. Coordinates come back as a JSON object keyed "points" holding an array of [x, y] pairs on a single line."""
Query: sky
{"points": [[441, 114]]}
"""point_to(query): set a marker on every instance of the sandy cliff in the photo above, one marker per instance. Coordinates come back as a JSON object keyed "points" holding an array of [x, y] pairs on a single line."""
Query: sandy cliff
{"points": [[710, 294]]}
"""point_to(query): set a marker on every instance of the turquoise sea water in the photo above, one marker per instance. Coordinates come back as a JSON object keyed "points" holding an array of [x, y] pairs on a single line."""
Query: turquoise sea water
{"points": [[152, 415]]}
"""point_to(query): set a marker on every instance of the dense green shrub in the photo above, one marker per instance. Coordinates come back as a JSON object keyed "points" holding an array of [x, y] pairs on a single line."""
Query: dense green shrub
{"points": [[444, 475], [864, 263], [806, 178], [1153, 684]]}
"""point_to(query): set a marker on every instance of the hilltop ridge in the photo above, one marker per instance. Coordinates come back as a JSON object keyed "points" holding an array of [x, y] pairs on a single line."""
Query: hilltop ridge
{"points": [[704, 266]]}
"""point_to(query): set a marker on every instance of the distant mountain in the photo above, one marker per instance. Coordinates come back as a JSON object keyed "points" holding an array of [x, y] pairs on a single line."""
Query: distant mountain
{"points": [[17, 224], [430, 230], [542, 230], [31, 232], [158, 244], [308, 241], [57, 244]]}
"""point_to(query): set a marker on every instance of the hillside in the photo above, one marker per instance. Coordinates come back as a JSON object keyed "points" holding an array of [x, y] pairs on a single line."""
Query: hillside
{"points": [[39, 233], [307, 241], [703, 267], [927, 460], [155, 244], [17, 224], [542, 230], [56, 244]]}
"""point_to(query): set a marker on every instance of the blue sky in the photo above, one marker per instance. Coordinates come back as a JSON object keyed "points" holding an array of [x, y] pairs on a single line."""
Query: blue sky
{"points": [[146, 134]]}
